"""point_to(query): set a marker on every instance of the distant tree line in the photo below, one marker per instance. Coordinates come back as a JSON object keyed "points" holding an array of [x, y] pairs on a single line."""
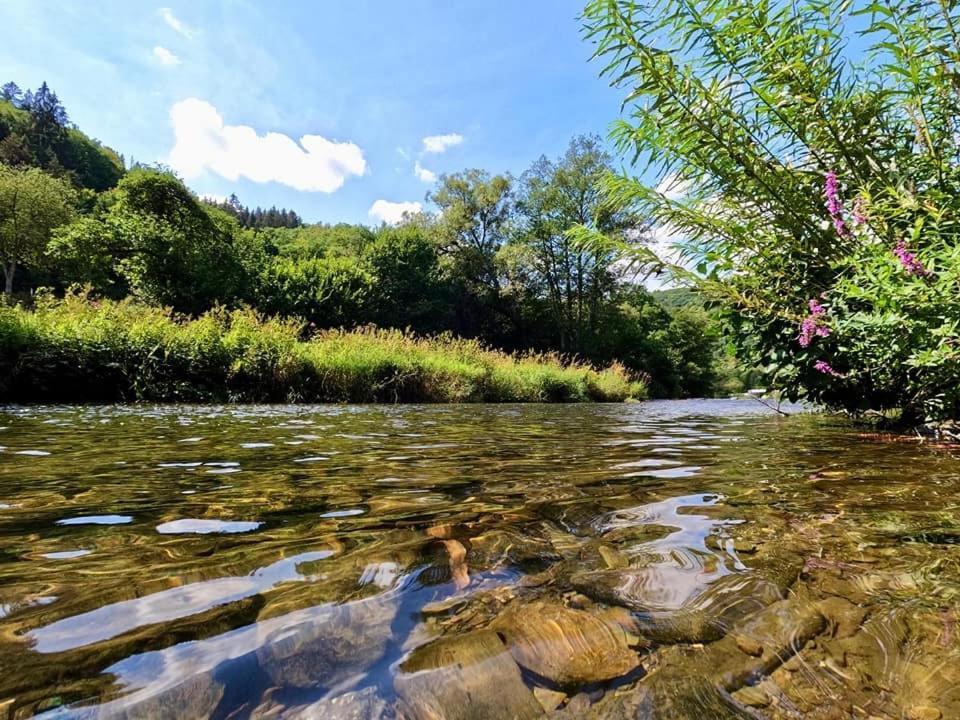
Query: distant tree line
{"points": [[494, 261], [258, 217]]}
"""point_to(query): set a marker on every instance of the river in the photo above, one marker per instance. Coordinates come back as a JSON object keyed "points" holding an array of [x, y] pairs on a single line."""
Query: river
{"points": [[676, 559]]}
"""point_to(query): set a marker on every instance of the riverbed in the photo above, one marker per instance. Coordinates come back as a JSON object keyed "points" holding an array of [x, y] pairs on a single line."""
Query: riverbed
{"points": [[676, 559]]}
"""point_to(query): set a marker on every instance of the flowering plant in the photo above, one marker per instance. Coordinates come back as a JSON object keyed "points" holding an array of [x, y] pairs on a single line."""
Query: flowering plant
{"points": [[821, 203]]}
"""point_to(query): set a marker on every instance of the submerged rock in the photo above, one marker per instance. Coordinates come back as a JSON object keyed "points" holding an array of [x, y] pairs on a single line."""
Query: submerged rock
{"points": [[565, 646], [705, 617], [697, 682], [464, 677], [363, 704], [323, 652]]}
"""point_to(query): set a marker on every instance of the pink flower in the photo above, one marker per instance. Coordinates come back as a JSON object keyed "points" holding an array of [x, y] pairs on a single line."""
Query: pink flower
{"points": [[813, 325], [831, 191], [909, 261], [824, 367]]}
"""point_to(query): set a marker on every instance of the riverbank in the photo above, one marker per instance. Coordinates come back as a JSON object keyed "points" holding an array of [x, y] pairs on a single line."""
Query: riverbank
{"points": [[76, 350]]}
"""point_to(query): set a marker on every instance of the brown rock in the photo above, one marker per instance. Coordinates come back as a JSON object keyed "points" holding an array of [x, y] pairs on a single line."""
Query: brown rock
{"points": [[566, 646], [464, 677], [749, 645], [549, 700], [844, 617], [924, 712]]}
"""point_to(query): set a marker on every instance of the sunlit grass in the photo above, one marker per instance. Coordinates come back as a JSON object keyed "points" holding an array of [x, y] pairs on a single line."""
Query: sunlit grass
{"points": [[79, 350]]}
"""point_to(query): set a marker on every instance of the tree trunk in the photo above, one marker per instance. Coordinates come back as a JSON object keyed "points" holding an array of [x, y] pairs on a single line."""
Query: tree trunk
{"points": [[8, 271]]}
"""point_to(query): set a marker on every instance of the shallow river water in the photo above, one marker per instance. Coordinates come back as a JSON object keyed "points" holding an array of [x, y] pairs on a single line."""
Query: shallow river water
{"points": [[690, 559]]}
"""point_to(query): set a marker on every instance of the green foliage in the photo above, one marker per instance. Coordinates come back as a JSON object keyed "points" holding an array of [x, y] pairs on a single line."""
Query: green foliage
{"points": [[32, 204], [328, 292], [155, 238], [78, 350], [34, 131], [742, 110], [574, 280]]}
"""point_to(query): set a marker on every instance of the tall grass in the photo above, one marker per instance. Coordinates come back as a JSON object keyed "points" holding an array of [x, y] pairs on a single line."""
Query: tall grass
{"points": [[77, 350]]}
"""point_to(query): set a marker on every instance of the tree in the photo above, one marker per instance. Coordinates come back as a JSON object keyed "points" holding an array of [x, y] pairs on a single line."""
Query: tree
{"points": [[11, 93], [48, 123], [408, 289], [32, 204], [475, 214], [554, 197]]}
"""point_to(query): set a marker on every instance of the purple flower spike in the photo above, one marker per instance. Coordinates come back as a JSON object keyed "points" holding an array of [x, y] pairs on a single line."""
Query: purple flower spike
{"points": [[824, 367], [909, 261], [813, 325], [831, 191]]}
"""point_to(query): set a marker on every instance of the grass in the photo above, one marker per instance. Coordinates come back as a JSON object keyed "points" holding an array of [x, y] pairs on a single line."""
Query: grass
{"points": [[77, 350]]}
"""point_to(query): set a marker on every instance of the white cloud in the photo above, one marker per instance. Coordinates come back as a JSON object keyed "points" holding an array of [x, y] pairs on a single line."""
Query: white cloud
{"points": [[203, 143], [673, 188], [393, 212], [174, 22], [427, 176], [164, 56], [439, 143]]}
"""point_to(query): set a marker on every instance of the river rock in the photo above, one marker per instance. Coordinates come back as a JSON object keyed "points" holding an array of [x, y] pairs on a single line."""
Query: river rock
{"points": [[659, 697], [924, 712], [568, 647], [704, 619], [693, 682], [343, 641], [464, 677], [363, 704], [844, 617], [549, 700]]}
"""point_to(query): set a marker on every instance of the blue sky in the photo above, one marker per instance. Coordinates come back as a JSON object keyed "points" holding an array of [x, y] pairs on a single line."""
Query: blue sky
{"points": [[227, 91]]}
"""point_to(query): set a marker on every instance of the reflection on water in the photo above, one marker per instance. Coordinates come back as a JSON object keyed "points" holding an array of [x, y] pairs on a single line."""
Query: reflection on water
{"points": [[663, 560]]}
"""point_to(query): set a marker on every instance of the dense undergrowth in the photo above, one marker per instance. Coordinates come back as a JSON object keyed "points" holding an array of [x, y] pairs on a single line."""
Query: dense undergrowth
{"points": [[77, 350]]}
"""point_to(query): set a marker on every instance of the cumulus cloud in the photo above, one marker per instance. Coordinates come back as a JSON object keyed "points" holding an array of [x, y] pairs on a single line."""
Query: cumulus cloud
{"points": [[164, 56], [174, 22], [393, 212], [439, 143], [427, 176], [204, 142]]}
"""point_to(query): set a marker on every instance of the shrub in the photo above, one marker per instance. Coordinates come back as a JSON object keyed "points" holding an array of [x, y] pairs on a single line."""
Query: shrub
{"points": [[78, 350]]}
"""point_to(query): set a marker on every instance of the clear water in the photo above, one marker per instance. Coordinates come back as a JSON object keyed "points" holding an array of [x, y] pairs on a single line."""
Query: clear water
{"points": [[669, 559]]}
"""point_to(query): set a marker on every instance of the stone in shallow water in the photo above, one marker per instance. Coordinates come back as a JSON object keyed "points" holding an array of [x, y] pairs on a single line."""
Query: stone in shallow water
{"points": [[464, 677], [704, 619], [566, 646], [549, 700], [348, 640], [695, 683], [363, 704]]}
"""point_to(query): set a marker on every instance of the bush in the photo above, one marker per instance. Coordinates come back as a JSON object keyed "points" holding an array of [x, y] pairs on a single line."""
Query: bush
{"points": [[818, 196], [76, 350]]}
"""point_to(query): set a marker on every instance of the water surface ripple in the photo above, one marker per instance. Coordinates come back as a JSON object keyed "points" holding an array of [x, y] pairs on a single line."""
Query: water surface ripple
{"points": [[683, 559]]}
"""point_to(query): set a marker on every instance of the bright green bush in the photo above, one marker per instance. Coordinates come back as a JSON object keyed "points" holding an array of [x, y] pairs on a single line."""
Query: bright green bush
{"points": [[807, 155], [77, 350]]}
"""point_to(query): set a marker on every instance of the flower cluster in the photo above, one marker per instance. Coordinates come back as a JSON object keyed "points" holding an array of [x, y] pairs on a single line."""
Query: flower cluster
{"points": [[824, 367], [813, 326], [831, 191], [909, 261]]}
